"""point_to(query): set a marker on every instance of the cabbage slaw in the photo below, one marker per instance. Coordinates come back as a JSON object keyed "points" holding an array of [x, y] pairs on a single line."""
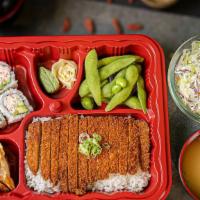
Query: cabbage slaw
{"points": [[187, 77]]}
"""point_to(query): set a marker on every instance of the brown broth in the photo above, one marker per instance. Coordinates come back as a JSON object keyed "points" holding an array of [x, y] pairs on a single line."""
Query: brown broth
{"points": [[191, 167]]}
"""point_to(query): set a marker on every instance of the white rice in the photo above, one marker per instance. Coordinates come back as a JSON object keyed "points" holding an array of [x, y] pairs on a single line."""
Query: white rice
{"points": [[117, 182], [44, 119], [41, 119], [3, 122], [38, 183]]}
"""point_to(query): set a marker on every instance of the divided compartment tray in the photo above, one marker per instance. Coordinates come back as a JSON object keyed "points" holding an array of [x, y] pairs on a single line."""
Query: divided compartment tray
{"points": [[25, 53]]}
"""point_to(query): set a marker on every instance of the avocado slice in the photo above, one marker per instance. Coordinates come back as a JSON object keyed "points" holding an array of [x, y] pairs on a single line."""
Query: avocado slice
{"points": [[21, 109], [3, 84]]}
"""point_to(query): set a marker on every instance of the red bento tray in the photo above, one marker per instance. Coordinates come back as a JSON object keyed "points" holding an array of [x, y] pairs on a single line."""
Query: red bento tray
{"points": [[24, 54]]}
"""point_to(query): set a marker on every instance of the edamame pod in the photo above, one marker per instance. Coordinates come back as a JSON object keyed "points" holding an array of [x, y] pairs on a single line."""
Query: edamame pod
{"points": [[142, 96], [115, 66], [116, 89], [104, 83], [87, 103], [105, 100], [139, 67], [108, 60], [121, 82], [84, 89], [141, 81], [133, 102], [92, 76], [119, 98], [107, 89]]}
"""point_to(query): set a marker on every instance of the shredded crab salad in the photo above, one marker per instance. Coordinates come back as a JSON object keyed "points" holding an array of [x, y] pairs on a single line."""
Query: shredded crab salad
{"points": [[65, 71], [187, 77]]}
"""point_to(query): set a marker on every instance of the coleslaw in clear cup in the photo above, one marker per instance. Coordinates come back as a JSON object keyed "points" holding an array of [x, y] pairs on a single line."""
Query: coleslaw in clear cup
{"points": [[184, 78]]}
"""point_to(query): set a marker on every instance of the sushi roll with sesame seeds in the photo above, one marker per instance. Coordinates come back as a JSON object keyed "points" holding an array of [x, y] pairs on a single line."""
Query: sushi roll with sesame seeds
{"points": [[14, 105], [3, 122], [7, 77]]}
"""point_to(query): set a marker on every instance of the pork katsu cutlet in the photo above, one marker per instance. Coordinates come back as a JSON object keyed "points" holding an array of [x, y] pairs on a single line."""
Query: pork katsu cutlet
{"points": [[63, 154], [33, 146], [82, 162], [77, 154]]}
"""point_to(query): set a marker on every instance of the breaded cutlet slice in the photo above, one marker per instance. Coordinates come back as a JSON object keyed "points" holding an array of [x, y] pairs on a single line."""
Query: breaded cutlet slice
{"points": [[123, 145], [103, 159], [72, 153], [144, 140], [82, 162], [55, 137], [63, 154], [114, 144], [45, 153], [33, 146], [133, 151], [4, 187], [92, 162]]}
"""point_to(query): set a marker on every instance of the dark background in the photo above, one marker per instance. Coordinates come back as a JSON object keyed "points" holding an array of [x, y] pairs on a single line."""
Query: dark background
{"points": [[187, 7], [184, 7]]}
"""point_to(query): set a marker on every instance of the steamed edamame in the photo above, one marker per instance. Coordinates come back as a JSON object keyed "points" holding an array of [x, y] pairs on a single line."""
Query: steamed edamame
{"points": [[92, 76], [114, 67], [119, 98], [122, 82], [133, 102], [108, 60], [112, 80], [116, 89], [84, 89], [142, 96], [87, 103], [107, 89]]}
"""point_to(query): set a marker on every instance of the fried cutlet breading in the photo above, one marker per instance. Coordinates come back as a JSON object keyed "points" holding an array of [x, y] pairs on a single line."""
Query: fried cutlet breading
{"points": [[30, 149], [4, 187], [82, 162], [63, 154], [6, 182], [92, 162], [45, 153], [55, 139], [114, 144], [33, 146], [133, 152], [56, 142], [72, 153], [144, 140], [123, 145], [103, 158]]}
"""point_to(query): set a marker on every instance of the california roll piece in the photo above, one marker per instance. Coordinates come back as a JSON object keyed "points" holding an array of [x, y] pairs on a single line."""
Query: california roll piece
{"points": [[14, 105], [7, 77], [3, 122]]}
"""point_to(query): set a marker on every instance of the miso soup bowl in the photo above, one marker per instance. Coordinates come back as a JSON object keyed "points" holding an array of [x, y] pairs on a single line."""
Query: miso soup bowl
{"points": [[186, 144]]}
